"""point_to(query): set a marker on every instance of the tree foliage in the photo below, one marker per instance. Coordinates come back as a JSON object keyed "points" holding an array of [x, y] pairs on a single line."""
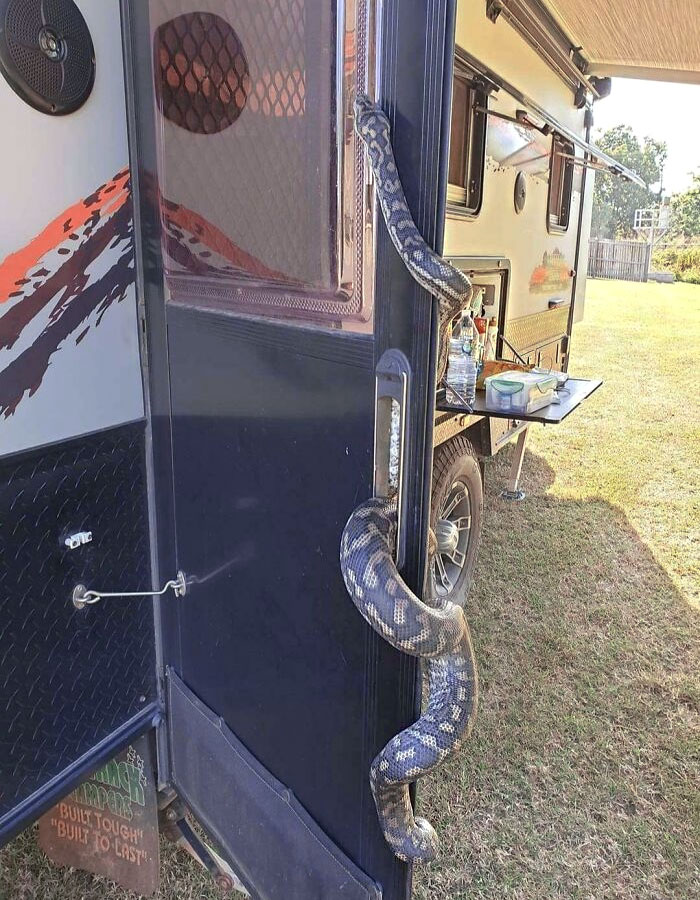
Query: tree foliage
{"points": [[685, 212], [614, 198]]}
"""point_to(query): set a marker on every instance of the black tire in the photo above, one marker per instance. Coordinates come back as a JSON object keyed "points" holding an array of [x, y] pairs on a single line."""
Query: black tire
{"points": [[456, 477]]}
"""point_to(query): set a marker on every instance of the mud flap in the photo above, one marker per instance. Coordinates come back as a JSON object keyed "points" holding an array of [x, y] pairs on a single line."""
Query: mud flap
{"points": [[274, 845]]}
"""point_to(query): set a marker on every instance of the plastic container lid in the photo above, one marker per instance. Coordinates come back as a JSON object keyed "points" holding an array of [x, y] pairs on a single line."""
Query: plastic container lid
{"points": [[514, 382]]}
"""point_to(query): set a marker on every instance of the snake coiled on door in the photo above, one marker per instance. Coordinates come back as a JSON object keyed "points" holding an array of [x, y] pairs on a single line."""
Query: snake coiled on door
{"points": [[436, 632]]}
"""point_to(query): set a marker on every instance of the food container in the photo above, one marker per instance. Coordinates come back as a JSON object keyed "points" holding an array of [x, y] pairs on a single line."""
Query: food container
{"points": [[519, 392]]}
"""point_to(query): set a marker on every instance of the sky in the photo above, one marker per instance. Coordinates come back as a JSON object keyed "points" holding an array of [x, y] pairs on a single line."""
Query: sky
{"points": [[666, 112]]}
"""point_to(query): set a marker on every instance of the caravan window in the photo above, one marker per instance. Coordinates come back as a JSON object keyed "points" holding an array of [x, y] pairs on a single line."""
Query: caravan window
{"points": [[560, 183], [467, 143]]}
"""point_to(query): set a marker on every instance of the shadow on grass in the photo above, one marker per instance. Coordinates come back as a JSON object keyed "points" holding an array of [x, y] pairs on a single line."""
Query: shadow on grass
{"points": [[581, 778]]}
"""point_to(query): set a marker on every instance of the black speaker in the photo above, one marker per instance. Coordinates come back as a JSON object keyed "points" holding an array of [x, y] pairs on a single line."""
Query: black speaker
{"points": [[46, 54]]}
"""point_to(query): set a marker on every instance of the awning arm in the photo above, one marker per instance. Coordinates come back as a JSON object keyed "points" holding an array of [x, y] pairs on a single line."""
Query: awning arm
{"points": [[599, 162]]}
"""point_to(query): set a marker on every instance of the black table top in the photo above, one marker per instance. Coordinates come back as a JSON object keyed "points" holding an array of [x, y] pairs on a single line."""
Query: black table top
{"points": [[571, 395]]}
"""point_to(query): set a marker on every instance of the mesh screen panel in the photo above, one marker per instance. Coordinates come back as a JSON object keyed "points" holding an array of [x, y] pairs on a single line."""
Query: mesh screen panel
{"points": [[202, 78], [257, 207]]}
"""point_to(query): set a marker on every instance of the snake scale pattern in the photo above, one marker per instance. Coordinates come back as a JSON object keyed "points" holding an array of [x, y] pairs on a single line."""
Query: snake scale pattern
{"points": [[440, 635], [437, 633], [452, 288]]}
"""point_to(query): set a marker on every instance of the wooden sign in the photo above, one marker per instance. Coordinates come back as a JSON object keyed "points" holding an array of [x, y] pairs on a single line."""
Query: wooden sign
{"points": [[109, 825]]}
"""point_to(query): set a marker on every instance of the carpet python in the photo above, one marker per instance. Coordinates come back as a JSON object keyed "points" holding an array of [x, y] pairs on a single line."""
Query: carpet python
{"points": [[436, 633], [452, 288]]}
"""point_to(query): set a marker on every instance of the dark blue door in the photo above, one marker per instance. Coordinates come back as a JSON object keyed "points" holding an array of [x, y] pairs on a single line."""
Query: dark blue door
{"points": [[271, 292]]}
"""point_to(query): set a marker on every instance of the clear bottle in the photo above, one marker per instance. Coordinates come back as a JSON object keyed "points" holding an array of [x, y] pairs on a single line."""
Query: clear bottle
{"points": [[491, 339], [467, 333], [472, 371], [461, 369]]}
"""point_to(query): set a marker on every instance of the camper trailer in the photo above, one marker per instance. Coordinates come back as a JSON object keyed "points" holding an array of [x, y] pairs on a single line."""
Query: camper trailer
{"points": [[216, 344]]}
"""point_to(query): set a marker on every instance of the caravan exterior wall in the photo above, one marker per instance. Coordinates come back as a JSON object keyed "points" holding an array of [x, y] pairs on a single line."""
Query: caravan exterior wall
{"points": [[72, 454], [541, 250], [69, 347]]}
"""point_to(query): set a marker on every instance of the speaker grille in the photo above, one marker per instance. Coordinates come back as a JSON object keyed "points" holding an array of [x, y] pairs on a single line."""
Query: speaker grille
{"points": [[46, 53]]}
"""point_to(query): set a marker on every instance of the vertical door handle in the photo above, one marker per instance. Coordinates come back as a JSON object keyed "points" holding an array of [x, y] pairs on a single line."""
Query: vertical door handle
{"points": [[391, 433]]}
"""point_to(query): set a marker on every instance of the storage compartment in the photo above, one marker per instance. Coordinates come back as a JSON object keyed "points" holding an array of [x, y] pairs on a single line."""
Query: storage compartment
{"points": [[519, 392], [71, 679]]}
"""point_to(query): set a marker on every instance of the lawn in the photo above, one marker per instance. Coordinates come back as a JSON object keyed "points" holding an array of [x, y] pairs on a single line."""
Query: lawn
{"points": [[582, 777]]}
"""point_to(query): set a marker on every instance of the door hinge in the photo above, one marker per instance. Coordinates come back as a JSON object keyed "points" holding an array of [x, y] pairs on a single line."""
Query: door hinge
{"points": [[83, 597], [143, 338]]}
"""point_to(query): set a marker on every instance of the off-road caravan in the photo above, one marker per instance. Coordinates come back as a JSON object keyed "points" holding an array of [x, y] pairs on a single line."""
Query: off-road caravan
{"points": [[240, 496]]}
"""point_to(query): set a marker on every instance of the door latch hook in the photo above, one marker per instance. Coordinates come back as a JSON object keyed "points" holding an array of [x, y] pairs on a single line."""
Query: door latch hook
{"points": [[83, 597]]}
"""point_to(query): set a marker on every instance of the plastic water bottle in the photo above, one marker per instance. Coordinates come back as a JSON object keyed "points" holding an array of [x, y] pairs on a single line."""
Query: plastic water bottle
{"points": [[471, 372], [461, 367]]}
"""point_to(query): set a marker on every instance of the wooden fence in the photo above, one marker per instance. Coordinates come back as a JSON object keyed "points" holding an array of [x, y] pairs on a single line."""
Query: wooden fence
{"points": [[628, 260]]}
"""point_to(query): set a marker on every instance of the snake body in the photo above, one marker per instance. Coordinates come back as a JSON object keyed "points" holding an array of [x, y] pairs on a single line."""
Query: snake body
{"points": [[438, 634], [452, 287]]}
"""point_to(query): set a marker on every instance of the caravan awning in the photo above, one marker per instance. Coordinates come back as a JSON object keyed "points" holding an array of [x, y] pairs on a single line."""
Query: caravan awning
{"points": [[656, 39]]}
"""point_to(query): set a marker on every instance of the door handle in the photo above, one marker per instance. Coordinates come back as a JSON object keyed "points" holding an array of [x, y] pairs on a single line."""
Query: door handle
{"points": [[391, 425]]}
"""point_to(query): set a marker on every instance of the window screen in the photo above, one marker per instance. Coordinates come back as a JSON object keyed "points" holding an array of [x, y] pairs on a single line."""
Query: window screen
{"points": [[260, 180], [467, 142], [560, 184]]}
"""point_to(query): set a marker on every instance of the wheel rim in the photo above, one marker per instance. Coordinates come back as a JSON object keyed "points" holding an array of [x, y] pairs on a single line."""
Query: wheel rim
{"points": [[454, 521]]}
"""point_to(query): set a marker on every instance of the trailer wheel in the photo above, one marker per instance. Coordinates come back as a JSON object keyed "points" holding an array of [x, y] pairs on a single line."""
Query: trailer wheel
{"points": [[456, 518]]}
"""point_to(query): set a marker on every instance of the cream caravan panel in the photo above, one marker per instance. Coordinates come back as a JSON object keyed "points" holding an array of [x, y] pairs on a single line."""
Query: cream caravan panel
{"points": [[498, 46], [69, 348], [542, 262], [581, 278]]}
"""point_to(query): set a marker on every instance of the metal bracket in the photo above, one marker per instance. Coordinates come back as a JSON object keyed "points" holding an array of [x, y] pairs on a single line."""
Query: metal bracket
{"points": [[82, 597], [177, 829], [493, 9], [73, 541], [513, 492]]}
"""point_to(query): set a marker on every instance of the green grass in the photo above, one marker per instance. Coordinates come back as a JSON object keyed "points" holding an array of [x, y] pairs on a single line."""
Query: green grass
{"points": [[582, 777]]}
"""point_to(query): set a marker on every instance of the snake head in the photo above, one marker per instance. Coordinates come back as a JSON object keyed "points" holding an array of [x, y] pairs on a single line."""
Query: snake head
{"points": [[370, 119]]}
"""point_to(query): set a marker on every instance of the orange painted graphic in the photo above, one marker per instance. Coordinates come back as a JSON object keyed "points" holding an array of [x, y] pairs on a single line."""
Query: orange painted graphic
{"points": [[15, 269], [54, 277], [554, 274], [214, 239]]}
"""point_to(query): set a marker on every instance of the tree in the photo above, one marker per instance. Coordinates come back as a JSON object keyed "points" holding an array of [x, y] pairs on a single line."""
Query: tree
{"points": [[685, 212], [615, 198]]}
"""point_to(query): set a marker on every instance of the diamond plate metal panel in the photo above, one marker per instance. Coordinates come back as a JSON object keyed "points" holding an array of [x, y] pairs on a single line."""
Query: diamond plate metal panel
{"points": [[529, 332], [69, 678]]}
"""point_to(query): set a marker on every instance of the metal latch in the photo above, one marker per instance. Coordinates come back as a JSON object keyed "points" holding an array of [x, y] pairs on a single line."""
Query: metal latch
{"points": [[73, 541], [82, 597]]}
